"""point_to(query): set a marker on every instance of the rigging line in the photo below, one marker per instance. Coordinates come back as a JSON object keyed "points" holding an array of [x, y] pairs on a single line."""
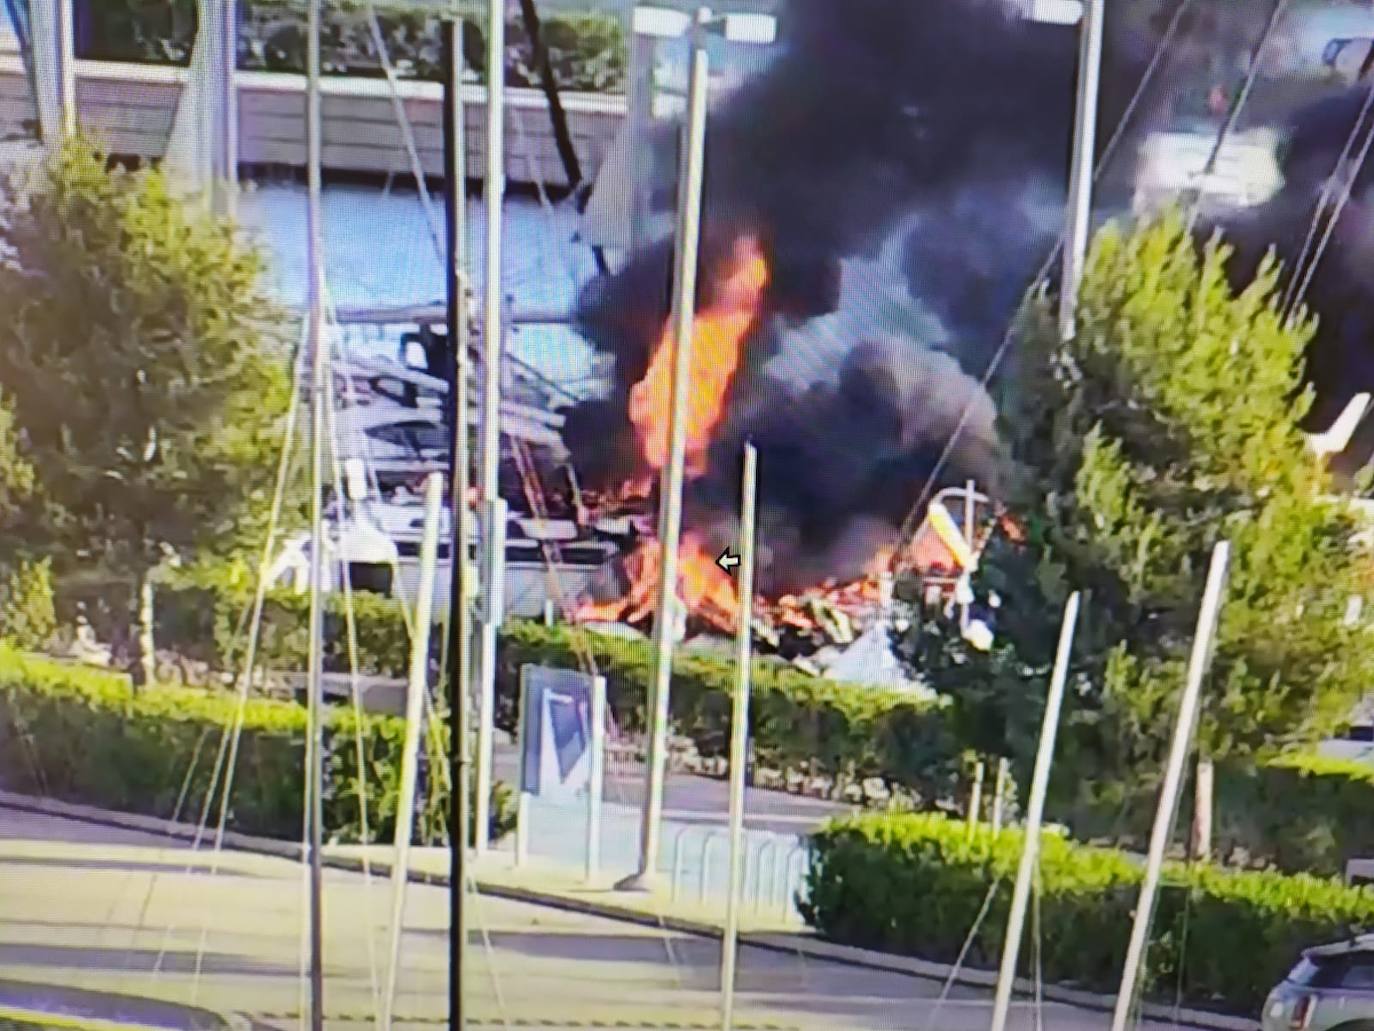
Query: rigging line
{"points": [[1347, 189], [30, 748], [1237, 105], [1038, 932], [279, 490], [338, 341], [545, 204], [549, 550], [916, 516], [1325, 211], [485, 931], [1328, 191], [948, 985], [303, 898], [360, 782], [558, 119], [1288, 302], [250, 657], [171, 823], [551, 554], [580, 635], [407, 132], [1183, 934]]}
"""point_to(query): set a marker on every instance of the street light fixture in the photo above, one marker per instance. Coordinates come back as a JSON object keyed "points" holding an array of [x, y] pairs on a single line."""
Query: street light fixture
{"points": [[737, 28]]}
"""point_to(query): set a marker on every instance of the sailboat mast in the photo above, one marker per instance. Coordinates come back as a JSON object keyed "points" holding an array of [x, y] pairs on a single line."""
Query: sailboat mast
{"points": [[459, 642], [319, 383], [226, 163]]}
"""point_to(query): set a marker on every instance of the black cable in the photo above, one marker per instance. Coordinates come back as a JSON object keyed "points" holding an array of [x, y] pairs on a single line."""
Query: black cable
{"points": [[455, 646], [562, 135]]}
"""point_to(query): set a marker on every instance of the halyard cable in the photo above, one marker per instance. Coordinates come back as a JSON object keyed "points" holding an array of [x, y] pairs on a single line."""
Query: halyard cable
{"points": [[915, 516], [1347, 186]]}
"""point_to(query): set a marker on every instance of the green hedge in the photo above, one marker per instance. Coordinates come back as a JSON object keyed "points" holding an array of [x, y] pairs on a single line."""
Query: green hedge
{"points": [[798, 722], [914, 884], [1294, 813], [84, 735]]}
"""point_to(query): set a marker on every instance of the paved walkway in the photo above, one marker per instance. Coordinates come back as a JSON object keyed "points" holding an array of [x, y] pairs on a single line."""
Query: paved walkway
{"points": [[125, 912]]}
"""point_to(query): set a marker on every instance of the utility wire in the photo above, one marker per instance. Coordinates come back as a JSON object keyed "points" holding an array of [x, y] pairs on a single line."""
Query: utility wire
{"points": [[407, 132], [1343, 180], [355, 693], [1238, 104], [916, 515]]}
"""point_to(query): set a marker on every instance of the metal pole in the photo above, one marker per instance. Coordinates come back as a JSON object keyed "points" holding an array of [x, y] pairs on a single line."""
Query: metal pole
{"points": [[492, 340], [596, 777], [1079, 214], [643, 49], [970, 493], [1035, 807], [739, 735], [416, 690], [999, 791], [459, 617], [65, 25], [320, 382], [1167, 811], [670, 500], [226, 143], [975, 801]]}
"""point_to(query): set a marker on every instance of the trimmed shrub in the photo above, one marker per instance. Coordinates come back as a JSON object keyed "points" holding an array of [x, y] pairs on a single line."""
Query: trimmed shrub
{"points": [[83, 735], [1294, 813], [797, 722], [914, 884]]}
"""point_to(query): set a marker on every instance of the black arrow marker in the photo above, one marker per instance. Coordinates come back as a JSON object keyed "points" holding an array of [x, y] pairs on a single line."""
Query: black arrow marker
{"points": [[726, 561]]}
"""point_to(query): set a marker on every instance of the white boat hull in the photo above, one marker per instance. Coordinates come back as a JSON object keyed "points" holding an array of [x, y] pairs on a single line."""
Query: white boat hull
{"points": [[528, 585]]}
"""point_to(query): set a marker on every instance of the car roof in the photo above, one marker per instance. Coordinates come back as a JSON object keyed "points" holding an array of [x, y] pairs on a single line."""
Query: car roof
{"points": [[1360, 943]]}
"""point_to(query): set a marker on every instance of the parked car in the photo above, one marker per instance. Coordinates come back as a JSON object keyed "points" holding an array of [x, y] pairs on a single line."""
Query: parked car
{"points": [[1330, 989]]}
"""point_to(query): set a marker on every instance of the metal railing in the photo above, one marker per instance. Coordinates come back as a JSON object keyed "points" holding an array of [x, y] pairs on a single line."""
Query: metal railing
{"points": [[774, 869]]}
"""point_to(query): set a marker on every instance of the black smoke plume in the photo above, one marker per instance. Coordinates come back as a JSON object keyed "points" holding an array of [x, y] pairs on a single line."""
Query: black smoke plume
{"points": [[944, 125], [1336, 282]]}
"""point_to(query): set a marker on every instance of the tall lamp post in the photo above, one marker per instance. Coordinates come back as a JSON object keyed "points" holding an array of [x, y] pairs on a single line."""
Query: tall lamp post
{"points": [[493, 508], [736, 28], [1079, 215]]}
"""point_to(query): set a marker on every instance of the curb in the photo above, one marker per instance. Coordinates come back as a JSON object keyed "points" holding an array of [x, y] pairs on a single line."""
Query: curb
{"points": [[25, 1007], [803, 944]]}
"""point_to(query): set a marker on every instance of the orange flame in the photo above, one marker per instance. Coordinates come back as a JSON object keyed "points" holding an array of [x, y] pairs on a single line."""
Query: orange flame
{"points": [[703, 587], [708, 592], [718, 337]]}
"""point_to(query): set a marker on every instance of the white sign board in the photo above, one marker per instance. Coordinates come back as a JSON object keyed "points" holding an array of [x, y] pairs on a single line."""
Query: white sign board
{"points": [[562, 714]]}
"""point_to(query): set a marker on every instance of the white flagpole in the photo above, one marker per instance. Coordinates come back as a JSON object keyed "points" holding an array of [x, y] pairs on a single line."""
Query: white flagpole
{"points": [[319, 383], [1035, 808], [493, 331], [739, 737], [1198, 662], [415, 712]]}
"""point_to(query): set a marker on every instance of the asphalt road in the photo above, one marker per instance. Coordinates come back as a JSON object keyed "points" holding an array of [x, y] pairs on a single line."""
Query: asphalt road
{"points": [[120, 912], [689, 798]]}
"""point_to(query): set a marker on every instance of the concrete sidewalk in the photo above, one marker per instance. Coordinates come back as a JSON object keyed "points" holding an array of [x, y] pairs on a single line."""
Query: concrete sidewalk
{"points": [[130, 910]]}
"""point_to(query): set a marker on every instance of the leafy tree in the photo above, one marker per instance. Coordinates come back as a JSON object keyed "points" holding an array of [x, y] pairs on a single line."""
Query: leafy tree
{"points": [[26, 606], [1168, 422], [16, 475], [137, 349]]}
